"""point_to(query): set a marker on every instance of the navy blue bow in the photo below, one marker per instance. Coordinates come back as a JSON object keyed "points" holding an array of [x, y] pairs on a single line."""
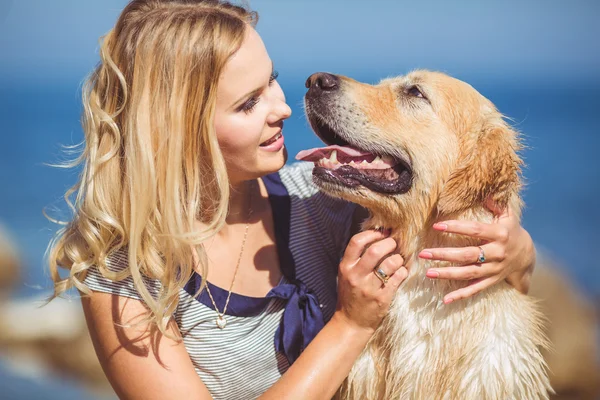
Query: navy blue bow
{"points": [[301, 321]]}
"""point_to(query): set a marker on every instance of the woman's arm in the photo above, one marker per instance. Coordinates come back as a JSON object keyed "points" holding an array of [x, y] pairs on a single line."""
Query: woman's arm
{"points": [[139, 362], [323, 366]]}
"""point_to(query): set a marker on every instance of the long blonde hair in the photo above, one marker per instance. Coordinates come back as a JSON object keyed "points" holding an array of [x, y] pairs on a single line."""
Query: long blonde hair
{"points": [[152, 166]]}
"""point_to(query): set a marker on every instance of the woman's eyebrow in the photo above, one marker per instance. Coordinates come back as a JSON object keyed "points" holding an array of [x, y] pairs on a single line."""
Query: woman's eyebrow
{"points": [[253, 92]]}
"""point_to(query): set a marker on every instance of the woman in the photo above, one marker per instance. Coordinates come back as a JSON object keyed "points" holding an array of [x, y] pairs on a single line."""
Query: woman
{"points": [[184, 178]]}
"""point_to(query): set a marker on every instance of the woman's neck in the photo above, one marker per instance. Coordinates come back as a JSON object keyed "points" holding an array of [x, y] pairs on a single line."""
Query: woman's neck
{"points": [[244, 196]]}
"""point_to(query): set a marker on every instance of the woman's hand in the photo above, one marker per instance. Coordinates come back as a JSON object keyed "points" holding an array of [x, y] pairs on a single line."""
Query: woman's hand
{"points": [[363, 299], [509, 254]]}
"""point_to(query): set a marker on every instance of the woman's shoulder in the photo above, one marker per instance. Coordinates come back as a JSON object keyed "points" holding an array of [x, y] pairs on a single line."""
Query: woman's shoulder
{"points": [[314, 210], [298, 182], [114, 277], [297, 178]]}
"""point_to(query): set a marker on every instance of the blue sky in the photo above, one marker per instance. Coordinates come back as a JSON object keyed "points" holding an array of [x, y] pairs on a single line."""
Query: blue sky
{"points": [[527, 40]]}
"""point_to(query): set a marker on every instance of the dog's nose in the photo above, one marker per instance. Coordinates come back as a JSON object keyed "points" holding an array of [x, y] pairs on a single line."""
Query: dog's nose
{"points": [[322, 82]]}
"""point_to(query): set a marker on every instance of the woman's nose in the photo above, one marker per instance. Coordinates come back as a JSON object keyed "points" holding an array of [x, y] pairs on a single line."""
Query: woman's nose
{"points": [[281, 110], [286, 110]]}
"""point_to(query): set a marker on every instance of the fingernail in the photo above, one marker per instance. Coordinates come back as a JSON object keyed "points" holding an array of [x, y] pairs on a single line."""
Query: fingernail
{"points": [[448, 301], [440, 226], [432, 274], [426, 254]]}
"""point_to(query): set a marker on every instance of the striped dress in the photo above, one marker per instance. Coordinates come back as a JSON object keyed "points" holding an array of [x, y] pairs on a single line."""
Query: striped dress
{"points": [[263, 336]]}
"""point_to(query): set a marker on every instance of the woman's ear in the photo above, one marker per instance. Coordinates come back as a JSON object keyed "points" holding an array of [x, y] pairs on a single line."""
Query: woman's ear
{"points": [[490, 170]]}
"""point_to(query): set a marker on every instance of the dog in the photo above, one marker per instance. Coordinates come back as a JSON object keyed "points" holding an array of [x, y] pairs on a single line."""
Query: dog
{"points": [[415, 150]]}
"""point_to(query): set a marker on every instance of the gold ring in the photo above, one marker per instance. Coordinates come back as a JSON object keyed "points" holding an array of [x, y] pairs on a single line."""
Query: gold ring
{"points": [[379, 273]]}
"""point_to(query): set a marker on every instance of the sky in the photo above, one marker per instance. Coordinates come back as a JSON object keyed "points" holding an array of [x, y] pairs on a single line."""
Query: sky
{"points": [[529, 40]]}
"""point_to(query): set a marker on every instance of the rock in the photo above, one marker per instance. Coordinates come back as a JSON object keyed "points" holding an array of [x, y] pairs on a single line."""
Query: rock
{"points": [[573, 330]]}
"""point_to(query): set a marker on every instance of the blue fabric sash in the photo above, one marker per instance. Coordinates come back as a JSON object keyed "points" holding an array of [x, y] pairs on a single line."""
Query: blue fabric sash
{"points": [[302, 318], [301, 321]]}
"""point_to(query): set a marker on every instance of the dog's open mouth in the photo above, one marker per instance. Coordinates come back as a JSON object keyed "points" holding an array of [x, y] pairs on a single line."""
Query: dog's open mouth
{"points": [[350, 166]]}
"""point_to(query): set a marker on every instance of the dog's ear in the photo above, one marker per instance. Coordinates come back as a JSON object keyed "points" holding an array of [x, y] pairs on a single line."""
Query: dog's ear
{"points": [[488, 169]]}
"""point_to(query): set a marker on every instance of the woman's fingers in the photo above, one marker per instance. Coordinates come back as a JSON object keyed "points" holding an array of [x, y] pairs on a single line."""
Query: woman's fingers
{"points": [[397, 278], [358, 244], [464, 273], [496, 209], [376, 253], [390, 266], [463, 255], [479, 230], [472, 289], [498, 253]]}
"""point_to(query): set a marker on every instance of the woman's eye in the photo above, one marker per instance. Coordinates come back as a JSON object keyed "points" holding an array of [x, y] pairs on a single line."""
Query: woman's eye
{"points": [[414, 92], [249, 105]]}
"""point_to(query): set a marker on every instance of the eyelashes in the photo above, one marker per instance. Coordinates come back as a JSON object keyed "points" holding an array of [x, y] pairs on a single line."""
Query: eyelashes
{"points": [[251, 103]]}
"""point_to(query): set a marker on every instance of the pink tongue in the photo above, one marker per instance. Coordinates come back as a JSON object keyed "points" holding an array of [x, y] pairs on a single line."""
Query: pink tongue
{"points": [[321, 152]]}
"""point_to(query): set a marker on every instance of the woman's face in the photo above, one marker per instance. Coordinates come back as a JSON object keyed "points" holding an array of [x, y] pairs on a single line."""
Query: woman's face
{"points": [[250, 111]]}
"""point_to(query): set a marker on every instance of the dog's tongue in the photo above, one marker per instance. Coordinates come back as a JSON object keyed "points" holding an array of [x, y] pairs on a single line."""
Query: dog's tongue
{"points": [[318, 153]]}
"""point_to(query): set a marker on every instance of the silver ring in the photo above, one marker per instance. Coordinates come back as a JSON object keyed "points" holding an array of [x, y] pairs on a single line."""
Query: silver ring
{"points": [[379, 273], [481, 258]]}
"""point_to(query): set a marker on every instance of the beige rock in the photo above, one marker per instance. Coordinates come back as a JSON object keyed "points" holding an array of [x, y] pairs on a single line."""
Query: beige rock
{"points": [[9, 262], [573, 330]]}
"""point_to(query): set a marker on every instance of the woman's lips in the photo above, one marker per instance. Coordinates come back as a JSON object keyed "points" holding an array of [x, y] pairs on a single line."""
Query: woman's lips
{"points": [[273, 144]]}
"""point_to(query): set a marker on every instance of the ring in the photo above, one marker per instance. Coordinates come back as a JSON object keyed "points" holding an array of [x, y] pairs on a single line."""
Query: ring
{"points": [[481, 258], [379, 273]]}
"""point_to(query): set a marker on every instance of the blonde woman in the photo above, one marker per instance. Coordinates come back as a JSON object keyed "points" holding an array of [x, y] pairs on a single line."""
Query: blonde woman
{"points": [[184, 179]]}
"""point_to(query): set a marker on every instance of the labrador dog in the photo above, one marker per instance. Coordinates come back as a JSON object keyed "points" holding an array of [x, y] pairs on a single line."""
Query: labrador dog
{"points": [[415, 150]]}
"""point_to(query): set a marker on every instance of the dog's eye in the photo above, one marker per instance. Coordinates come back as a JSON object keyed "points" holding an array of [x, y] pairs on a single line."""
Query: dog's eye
{"points": [[414, 92]]}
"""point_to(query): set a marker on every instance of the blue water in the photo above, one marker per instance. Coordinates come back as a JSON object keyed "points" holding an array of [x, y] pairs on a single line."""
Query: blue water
{"points": [[560, 122]]}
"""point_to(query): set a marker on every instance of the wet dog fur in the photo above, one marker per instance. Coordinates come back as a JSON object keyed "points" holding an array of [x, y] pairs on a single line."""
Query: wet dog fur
{"points": [[459, 152]]}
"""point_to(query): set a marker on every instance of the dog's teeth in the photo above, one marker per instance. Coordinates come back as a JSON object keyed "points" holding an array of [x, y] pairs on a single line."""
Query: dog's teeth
{"points": [[364, 162], [333, 157], [352, 162], [377, 160], [388, 159]]}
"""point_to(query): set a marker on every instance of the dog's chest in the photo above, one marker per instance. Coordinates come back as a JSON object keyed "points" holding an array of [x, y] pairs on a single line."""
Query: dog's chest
{"points": [[462, 347]]}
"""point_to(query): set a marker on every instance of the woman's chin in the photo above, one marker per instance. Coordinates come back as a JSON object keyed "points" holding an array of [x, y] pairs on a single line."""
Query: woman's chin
{"points": [[273, 161], [264, 164]]}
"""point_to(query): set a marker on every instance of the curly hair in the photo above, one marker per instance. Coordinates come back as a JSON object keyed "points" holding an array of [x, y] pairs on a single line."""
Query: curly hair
{"points": [[151, 164]]}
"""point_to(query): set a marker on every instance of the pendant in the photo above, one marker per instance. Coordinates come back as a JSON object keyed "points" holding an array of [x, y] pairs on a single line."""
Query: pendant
{"points": [[221, 322]]}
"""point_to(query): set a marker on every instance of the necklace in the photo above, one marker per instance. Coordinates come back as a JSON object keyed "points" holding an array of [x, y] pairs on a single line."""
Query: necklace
{"points": [[221, 321]]}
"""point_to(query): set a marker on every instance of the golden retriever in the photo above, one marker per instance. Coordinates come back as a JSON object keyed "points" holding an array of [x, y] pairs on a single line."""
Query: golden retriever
{"points": [[415, 150]]}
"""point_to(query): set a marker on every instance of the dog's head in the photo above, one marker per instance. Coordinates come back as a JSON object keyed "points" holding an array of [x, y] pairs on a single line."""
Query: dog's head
{"points": [[423, 140]]}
